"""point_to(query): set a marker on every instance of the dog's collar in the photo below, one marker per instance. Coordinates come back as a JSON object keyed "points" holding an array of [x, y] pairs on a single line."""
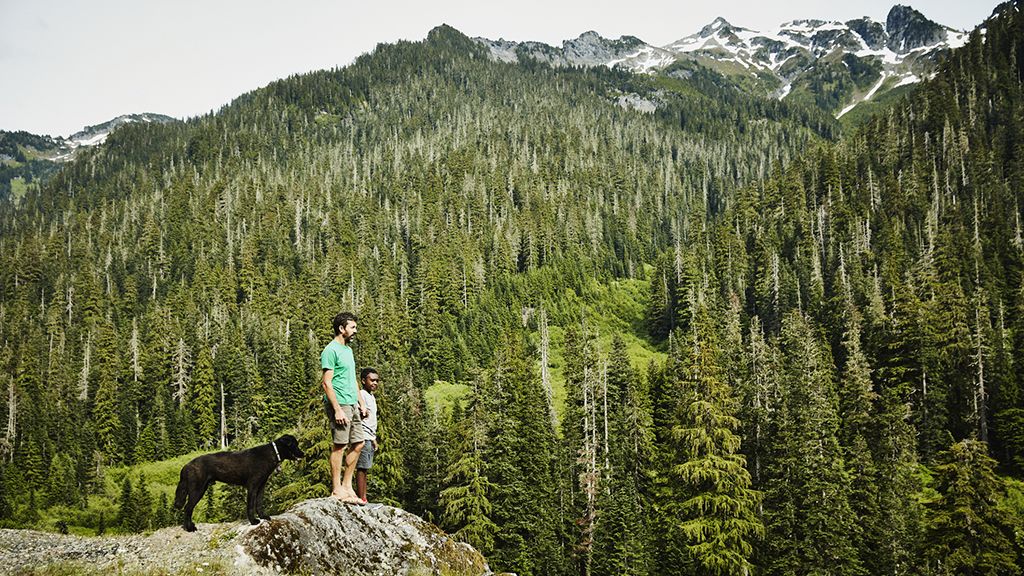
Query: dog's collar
{"points": [[276, 453]]}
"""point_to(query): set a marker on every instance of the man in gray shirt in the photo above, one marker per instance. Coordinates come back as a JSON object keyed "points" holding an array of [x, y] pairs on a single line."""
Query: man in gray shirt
{"points": [[370, 379]]}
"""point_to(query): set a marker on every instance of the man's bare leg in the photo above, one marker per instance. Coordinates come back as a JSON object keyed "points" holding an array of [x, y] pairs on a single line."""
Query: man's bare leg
{"points": [[337, 457], [351, 457]]}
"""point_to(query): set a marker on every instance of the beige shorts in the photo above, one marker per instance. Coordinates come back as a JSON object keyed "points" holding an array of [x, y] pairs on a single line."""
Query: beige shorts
{"points": [[351, 433]]}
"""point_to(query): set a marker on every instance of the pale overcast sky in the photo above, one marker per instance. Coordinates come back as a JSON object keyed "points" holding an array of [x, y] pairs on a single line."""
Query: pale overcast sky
{"points": [[71, 63]]}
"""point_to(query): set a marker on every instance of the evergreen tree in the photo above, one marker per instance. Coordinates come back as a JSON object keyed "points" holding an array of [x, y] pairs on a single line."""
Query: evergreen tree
{"points": [[127, 512], [808, 515], [6, 507], [582, 431], [967, 531], [202, 401], [143, 506], [623, 539], [465, 503], [857, 399], [61, 487], [523, 504], [895, 532], [106, 408], [163, 515], [146, 448], [713, 509]]}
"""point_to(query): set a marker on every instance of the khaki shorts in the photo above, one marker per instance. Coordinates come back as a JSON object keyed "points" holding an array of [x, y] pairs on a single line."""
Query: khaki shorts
{"points": [[351, 433]]}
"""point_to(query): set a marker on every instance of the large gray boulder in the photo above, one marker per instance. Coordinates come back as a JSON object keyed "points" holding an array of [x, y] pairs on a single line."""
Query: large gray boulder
{"points": [[324, 536], [321, 536]]}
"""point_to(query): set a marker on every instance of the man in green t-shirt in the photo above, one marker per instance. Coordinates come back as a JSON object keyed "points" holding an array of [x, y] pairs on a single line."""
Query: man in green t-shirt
{"points": [[343, 405]]}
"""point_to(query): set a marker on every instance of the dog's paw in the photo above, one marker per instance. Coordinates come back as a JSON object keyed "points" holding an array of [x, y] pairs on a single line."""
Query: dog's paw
{"points": [[263, 517], [254, 521], [189, 527]]}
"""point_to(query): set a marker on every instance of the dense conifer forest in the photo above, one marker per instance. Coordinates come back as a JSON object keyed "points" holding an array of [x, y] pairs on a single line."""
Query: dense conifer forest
{"points": [[720, 338]]}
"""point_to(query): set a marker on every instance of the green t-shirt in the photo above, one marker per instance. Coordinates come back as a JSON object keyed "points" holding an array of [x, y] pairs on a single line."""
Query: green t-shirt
{"points": [[338, 357]]}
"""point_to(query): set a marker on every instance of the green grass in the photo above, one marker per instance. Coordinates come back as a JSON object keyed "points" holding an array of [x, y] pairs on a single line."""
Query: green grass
{"points": [[161, 478], [18, 189], [615, 308], [441, 396]]}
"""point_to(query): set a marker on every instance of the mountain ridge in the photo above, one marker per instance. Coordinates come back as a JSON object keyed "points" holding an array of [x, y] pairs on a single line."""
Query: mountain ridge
{"points": [[788, 61], [27, 159]]}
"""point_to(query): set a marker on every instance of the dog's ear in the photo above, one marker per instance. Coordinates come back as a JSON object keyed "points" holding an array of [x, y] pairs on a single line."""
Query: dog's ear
{"points": [[293, 446]]}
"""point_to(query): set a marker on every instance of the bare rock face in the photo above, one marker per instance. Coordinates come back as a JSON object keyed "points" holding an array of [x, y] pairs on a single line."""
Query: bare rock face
{"points": [[321, 536], [324, 536]]}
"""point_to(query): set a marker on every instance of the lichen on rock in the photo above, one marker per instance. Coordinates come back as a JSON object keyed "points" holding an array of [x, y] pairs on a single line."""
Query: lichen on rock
{"points": [[325, 536]]}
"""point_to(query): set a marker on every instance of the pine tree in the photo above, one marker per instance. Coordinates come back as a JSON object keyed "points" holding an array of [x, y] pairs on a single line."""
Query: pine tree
{"points": [[623, 539], [127, 511], [101, 524], [857, 398], [106, 411], [146, 448], [580, 430], [6, 492], [897, 486], [61, 487], [713, 511], [143, 506], [967, 531], [760, 399], [809, 519], [163, 516], [465, 502], [202, 400], [523, 504]]}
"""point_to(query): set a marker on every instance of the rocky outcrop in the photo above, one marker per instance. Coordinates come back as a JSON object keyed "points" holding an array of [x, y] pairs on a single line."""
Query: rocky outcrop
{"points": [[321, 536], [872, 32], [326, 537], [909, 29]]}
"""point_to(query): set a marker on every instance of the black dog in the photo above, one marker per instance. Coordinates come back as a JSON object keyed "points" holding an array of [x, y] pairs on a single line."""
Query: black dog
{"points": [[250, 468]]}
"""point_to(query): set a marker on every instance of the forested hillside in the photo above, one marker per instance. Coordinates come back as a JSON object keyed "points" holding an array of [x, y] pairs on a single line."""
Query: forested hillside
{"points": [[836, 327]]}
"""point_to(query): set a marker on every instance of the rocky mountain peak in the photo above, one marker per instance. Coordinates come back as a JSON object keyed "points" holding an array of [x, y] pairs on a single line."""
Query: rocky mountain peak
{"points": [[790, 60], [872, 32], [909, 29], [92, 135], [717, 26]]}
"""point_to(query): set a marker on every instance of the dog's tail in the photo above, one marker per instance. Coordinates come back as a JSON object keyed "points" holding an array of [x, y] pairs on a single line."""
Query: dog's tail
{"points": [[181, 493]]}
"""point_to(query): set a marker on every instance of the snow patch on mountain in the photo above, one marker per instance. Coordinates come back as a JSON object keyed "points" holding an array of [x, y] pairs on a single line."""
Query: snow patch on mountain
{"points": [[906, 46], [96, 135], [866, 96], [909, 79]]}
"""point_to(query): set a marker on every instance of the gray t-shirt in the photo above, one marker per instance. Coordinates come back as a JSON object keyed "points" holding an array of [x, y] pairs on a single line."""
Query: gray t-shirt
{"points": [[370, 422]]}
